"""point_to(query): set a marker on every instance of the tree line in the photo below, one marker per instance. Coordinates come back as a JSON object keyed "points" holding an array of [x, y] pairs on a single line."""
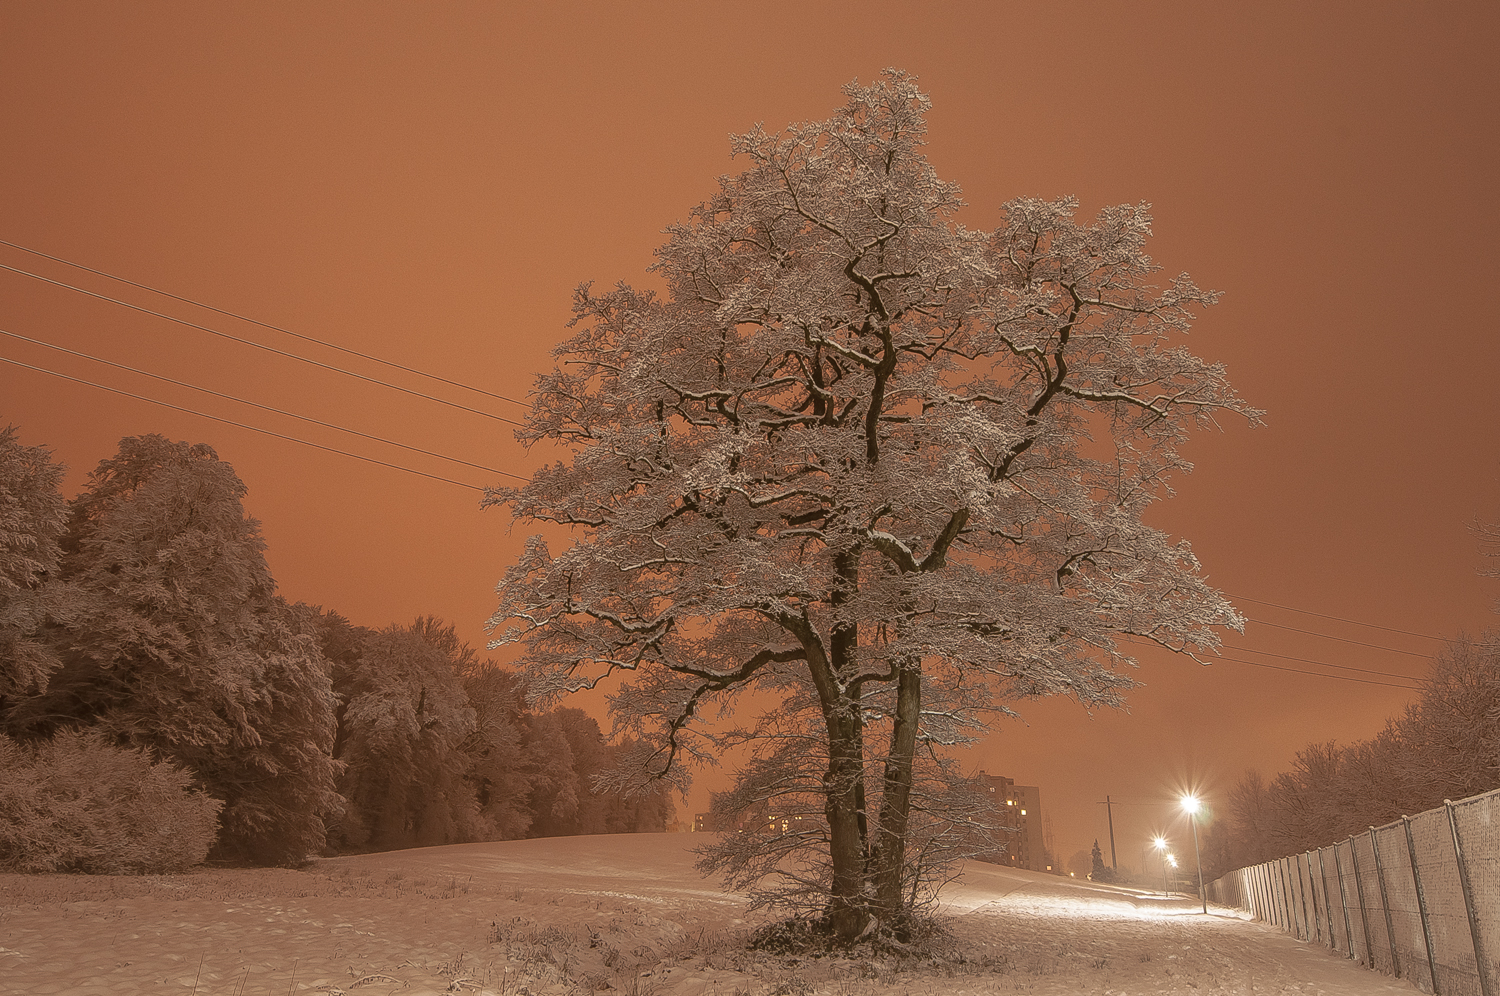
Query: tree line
{"points": [[1445, 745], [153, 682]]}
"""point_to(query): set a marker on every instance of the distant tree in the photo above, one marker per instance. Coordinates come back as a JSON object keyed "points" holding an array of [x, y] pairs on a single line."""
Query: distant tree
{"points": [[1098, 870], [566, 754], [863, 441], [497, 769], [436, 746], [1080, 864], [33, 515], [1218, 850], [281, 793], [1446, 745], [1250, 820], [1451, 734], [560, 798], [176, 642], [402, 721], [632, 812]]}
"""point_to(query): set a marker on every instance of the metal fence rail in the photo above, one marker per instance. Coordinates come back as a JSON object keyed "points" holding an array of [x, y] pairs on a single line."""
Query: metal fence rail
{"points": [[1418, 899]]}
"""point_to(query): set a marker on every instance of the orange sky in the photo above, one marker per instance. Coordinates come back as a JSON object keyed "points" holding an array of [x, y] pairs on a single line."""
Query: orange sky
{"points": [[429, 182]]}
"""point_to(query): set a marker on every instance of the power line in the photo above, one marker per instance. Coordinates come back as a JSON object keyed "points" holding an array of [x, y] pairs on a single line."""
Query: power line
{"points": [[1340, 639], [266, 325], [1316, 674], [1309, 660], [260, 345], [241, 425], [252, 404], [1319, 674], [1324, 615]]}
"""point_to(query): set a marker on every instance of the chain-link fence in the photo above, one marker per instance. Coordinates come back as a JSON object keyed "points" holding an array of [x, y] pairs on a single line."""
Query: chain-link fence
{"points": [[1418, 899]]}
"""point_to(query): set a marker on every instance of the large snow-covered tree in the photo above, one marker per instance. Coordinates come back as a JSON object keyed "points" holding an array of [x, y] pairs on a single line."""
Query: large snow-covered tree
{"points": [[861, 446]]}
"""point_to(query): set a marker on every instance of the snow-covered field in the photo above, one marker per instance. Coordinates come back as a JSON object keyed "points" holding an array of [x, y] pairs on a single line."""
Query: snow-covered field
{"points": [[625, 915]]}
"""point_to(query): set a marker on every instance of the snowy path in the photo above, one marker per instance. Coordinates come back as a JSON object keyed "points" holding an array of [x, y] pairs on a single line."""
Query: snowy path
{"points": [[1077, 937]]}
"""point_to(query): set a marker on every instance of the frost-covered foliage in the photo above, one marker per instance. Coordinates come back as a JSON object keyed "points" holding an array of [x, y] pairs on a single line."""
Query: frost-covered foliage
{"points": [[279, 792], [175, 641], [862, 442], [144, 613], [437, 747], [566, 755], [77, 803], [402, 717], [1446, 745], [496, 770], [32, 517]]}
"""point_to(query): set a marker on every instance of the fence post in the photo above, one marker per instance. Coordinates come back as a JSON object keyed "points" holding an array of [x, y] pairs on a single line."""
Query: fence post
{"points": [[1316, 933], [1293, 888], [1267, 913], [1333, 941], [1301, 860], [1338, 867], [1385, 905], [1416, 876], [1463, 879], [1364, 907], [1274, 878], [1279, 884], [1265, 891], [1288, 917]]}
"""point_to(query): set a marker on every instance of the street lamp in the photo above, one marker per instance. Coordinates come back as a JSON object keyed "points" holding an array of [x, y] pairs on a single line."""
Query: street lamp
{"points": [[1160, 843], [1191, 805]]}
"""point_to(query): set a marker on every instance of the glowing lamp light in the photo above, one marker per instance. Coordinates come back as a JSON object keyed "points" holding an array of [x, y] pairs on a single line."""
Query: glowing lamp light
{"points": [[1191, 805]]}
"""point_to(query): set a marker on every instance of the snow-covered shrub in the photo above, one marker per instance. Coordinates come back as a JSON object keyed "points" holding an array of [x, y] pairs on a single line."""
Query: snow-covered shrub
{"points": [[77, 803]]}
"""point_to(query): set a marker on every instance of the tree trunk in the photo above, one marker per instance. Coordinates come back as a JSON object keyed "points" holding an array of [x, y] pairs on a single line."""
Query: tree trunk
{"points": [[847, 910], [895, 806], [843, 784]]}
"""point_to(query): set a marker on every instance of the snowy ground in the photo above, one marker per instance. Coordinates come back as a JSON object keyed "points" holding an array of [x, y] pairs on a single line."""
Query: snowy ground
{"points": [[622, 915]]}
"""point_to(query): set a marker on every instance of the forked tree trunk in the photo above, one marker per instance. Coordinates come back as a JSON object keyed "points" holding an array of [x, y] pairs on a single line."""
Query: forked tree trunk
{"points": [[895, 804]]}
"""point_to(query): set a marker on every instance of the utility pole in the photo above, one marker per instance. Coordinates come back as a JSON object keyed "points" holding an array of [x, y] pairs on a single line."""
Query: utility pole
{"points": [[1109, 812]]}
